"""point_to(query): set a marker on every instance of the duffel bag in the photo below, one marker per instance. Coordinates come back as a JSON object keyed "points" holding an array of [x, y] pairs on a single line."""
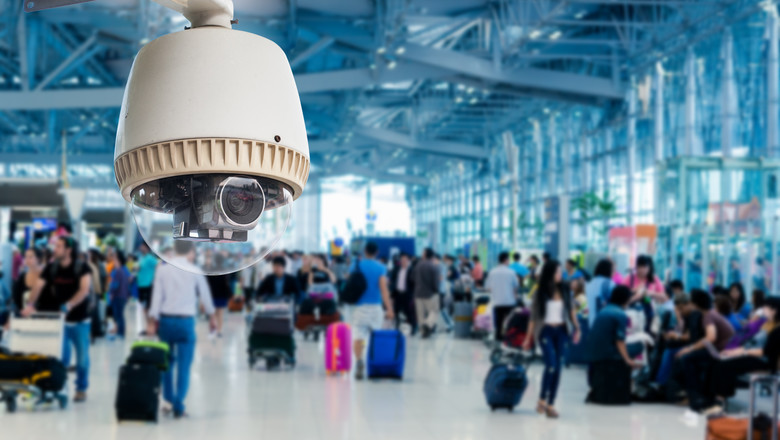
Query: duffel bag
{"points": [[46, 373]]}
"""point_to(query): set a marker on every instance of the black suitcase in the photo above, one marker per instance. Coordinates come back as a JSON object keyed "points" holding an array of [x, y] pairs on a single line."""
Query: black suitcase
{"points": [[138, 393], [150, 353]]}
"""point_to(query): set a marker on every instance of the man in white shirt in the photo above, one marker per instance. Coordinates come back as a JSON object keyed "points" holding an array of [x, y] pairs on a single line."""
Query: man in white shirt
{"points": [[175, 298], [502, 284]]}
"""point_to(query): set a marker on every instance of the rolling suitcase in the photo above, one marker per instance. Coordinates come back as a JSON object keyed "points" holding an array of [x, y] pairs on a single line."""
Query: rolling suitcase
{"points": [[338, 348], [504, 386], [150, 353], [138, 393], [464, 319], [386, 354]]}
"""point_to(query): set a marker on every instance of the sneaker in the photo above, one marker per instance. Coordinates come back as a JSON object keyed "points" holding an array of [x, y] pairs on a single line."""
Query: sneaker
{"points": [[179, 414], [212, 335], [360, 370], [81, 396]]}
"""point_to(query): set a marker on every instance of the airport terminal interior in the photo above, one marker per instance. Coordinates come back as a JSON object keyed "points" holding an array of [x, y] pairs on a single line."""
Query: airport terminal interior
{"points": [[384, 219]]}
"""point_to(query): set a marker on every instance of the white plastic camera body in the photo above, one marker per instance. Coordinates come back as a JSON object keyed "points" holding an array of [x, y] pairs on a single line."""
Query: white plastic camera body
{"points": [[211, 138]]}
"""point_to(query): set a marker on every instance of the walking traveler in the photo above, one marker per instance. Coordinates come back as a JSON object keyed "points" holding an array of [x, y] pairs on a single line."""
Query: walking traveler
{"points": [[31, 272], [367, 315], [119, 290], [502, 283], [147, 265], [175, 297], [65, 285], [426, 276], [402, 292], [552, 315]]}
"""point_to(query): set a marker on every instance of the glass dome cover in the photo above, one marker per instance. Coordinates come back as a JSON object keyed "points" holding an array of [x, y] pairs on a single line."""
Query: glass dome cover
{"points": [[232, 220]]}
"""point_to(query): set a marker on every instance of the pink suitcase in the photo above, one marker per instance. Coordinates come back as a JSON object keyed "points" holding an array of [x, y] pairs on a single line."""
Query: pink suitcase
{"points": [[338, 348]]}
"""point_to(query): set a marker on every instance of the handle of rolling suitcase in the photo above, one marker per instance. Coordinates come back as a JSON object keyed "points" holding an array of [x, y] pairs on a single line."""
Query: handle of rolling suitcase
{"points": [[774, 382]]}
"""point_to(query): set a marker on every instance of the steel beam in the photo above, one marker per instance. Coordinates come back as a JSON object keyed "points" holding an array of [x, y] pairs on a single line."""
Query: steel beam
{"points": [[68, 63], [322, 44], [403, 140], [373, 174], [469, 65], [307, 83]]}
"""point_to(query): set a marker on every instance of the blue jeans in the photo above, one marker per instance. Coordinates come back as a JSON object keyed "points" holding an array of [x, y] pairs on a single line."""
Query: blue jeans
{"points": [[78, 335], [179, 334], [552, 341], [118, 312], [667, 361]]}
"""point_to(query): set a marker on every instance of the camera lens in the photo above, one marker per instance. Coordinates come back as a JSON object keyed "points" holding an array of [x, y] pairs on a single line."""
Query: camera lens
{"points": [[241, 200]]}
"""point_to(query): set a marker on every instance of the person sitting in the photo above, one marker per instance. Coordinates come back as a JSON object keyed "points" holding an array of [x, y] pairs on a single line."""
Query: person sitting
{"points": [[689, 328], [611, 361], [278, 284], [725, 307], [738, 361], [696, 360]]}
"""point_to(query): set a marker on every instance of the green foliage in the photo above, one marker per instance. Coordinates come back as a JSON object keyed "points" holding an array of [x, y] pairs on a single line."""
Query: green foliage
{"points": [[591, 206]]}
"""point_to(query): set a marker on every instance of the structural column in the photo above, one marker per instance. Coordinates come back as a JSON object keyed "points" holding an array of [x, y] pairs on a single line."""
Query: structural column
{"points": [[691, 144], [631, 146], [552, 166], [658, 138], [773, 96], [538, 171], [606, 159], [566, 159]]}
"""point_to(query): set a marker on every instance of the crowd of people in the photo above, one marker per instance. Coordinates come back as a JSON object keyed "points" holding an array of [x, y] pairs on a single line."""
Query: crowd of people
{"points": [[665, 342], [690, 346]]}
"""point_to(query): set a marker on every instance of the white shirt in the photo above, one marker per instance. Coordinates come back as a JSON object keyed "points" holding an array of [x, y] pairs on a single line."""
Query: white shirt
{"points": [[502, 283], [554, 312], [176, 291], [401, 283]]}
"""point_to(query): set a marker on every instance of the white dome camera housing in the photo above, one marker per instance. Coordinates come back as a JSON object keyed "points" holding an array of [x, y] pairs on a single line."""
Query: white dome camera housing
{"points": [[211, 144]]}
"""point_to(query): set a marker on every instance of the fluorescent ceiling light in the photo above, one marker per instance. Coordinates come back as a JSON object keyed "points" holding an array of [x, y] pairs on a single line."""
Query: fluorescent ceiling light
{"points": [[555, 35], [536, 33]]}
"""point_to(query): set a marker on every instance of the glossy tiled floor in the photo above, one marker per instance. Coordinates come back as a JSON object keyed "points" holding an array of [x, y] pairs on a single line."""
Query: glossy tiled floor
{"points": [[440, 399]]}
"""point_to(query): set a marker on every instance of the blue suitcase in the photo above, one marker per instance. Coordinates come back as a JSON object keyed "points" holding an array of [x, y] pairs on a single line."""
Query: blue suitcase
{"points": [[386, 355], [505, 385]]}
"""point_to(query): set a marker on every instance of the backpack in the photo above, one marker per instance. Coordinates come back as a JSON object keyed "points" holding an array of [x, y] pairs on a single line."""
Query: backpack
{"points": [[355, 286]]}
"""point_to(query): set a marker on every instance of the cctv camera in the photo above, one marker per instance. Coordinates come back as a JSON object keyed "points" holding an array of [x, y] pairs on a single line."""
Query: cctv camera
{"points": [[211, 143]]}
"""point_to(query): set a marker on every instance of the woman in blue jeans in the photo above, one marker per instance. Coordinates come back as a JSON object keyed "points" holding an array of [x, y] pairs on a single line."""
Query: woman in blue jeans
{"points": [[552, 315], [119, 290]]}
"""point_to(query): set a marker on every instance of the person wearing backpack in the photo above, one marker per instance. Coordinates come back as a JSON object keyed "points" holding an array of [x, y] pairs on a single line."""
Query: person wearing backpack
{"points": [[599, 289], [367, 314], [65, 285]]}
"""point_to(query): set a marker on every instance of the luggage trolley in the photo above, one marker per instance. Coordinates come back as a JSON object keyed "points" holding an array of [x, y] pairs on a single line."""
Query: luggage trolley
{"points": [[40, 334], [270, 335]]}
